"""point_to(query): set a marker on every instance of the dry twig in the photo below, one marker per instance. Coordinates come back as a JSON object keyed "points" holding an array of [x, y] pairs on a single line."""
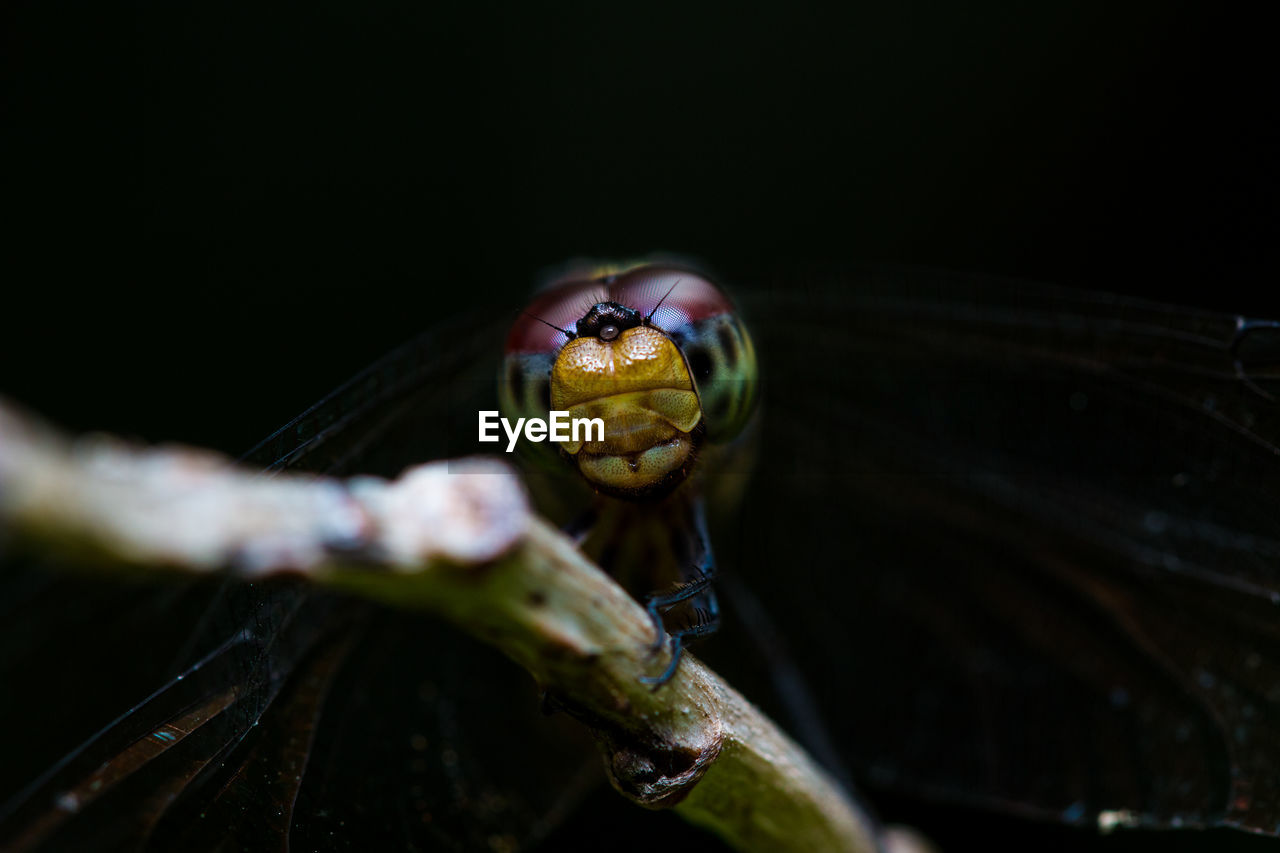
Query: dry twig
{"points": [[458, 540]]}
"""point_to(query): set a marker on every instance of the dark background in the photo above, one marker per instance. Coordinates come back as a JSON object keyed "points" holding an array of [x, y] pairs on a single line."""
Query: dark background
{"points": [[218, 211]]}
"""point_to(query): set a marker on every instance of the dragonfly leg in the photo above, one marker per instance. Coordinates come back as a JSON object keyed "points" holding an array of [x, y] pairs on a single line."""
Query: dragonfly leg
{"points": [[708, 622], [696, 588], [697, 576], [657, 603]]}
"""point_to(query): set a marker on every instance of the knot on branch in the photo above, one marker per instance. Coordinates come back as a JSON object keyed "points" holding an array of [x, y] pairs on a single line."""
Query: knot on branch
{"points": [[659, 775], [656, 759]]}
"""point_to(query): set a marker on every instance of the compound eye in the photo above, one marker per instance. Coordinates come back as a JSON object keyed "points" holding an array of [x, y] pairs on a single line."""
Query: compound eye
{"points": [[609, 332]]}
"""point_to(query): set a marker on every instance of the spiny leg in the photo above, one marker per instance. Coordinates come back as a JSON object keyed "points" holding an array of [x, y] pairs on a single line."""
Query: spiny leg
{"points": [[656, 604], [696, 588], [707, 622]]}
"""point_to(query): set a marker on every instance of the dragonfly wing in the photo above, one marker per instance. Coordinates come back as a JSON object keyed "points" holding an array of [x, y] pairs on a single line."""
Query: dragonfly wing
{"points": [[295, 716], [416, 404], [171, 744], [1032, 557]]}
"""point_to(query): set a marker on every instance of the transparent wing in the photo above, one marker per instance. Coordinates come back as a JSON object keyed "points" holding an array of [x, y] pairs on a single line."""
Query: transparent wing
{"points": [[1023, 543], [1017, 540], [415, 404], [172, 707], [286, 716]]}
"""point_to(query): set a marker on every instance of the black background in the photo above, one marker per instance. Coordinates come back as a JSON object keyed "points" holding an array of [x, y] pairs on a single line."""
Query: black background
{"points": [[218, 211]]}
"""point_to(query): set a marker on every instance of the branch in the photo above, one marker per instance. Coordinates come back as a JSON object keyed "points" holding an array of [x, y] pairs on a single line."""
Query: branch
{"points": [[455, 539]]}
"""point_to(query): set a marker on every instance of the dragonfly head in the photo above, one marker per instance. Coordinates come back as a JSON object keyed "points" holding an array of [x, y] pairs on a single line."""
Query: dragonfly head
{"points": [[633, 378], [656, 355]]}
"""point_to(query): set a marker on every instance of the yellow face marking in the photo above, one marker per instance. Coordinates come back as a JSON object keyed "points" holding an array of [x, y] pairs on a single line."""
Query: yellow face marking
{"points": [[637, 472], [640, 359], [629, 417], [639, 386]]}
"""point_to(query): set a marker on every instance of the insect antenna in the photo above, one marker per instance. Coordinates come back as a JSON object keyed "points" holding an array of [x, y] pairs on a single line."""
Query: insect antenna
{"points": [[655, 308], [570, 335]]}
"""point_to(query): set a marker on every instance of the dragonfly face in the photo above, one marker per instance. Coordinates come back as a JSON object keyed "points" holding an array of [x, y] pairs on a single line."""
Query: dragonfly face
{"points": [[657, 353], [1022, 548]]}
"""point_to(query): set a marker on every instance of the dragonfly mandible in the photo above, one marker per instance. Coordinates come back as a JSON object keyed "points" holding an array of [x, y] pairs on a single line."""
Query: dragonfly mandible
{"points": [[1018, 543]]}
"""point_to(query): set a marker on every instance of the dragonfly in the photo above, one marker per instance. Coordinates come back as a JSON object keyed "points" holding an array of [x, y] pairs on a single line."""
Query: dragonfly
{"points": [[991, 548], [661, 359]]}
